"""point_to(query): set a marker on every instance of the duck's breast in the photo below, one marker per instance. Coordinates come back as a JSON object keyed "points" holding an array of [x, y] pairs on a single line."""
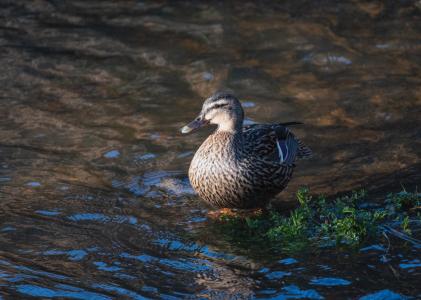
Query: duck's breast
{"points": [[215, 174]]}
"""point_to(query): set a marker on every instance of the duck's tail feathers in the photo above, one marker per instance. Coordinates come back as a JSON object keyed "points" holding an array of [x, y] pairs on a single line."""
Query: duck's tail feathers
{"points": [[304, 152], [291, 123], [287, 149]]}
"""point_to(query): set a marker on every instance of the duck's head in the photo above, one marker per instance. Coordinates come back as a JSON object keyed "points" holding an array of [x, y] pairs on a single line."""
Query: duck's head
{"points": [[222, 109]]}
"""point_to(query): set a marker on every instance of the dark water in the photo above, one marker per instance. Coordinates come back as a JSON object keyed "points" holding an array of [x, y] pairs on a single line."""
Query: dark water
{"points": [[94, 198]]}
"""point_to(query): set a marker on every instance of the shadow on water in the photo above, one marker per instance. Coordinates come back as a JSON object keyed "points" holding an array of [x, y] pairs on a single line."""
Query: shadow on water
{"points": [[94, 198]]}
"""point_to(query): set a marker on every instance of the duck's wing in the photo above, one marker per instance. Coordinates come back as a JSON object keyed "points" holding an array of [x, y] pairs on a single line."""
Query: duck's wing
{"points": [[274, 142]]}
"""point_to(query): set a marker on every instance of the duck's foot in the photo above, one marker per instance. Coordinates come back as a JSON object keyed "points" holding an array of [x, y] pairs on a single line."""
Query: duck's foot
{"points": [[217, 214], [234, 213]]}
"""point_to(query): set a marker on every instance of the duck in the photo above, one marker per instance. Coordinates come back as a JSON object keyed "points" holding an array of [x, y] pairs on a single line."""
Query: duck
{"points": [[241, 166]]}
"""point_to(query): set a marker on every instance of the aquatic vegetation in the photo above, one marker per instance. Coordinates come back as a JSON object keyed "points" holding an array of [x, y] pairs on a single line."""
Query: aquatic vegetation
{"points": [[403, 205], [349, 220]]}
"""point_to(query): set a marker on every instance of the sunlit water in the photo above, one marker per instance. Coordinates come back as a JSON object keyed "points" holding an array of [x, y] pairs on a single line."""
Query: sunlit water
{"points": [[94, 198]]}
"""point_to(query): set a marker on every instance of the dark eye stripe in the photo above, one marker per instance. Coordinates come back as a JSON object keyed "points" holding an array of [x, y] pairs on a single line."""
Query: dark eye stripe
{"points": [[219, 105], [215, 106]]}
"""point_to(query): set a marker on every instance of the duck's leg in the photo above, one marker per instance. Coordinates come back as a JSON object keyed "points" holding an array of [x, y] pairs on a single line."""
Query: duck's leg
{"points": [[233, 212]]}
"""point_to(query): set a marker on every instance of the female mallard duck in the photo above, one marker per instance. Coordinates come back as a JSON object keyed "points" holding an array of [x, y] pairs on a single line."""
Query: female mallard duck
{"points": [[241, 167]]}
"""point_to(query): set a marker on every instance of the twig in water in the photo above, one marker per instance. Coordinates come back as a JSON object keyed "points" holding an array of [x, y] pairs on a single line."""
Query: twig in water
{"points": [[401, 235]]}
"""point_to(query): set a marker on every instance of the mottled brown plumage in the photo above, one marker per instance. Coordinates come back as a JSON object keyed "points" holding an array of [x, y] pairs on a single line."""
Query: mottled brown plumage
{"points": [[241, 167]]}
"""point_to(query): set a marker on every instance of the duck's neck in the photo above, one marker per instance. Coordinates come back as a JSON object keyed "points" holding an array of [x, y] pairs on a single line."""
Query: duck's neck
{"points": [[228, 123]]}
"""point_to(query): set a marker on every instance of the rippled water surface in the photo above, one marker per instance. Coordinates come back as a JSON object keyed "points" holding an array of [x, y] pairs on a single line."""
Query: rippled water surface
{"points": [[94, 198]]}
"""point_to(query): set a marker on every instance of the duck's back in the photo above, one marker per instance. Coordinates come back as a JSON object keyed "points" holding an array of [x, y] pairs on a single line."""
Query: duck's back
{"points": [[270, 141]]}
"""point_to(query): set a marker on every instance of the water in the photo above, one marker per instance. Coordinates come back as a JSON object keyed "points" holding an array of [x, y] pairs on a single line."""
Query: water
{"points": [[94, 198]]}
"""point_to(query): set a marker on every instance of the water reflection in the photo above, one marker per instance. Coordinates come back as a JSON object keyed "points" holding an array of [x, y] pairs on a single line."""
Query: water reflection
{"points": [[329, 281], [61, 291], [94, 198]]}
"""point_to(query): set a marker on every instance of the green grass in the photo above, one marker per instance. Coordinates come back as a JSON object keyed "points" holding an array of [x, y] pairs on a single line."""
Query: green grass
{"points": [[346, 221]]}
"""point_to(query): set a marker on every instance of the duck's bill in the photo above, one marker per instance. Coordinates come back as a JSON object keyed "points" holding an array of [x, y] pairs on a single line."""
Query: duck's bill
{"points": [[192, 126]]}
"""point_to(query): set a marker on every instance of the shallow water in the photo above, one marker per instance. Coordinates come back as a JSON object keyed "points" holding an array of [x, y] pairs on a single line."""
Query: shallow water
{"points": [[94, 198]]}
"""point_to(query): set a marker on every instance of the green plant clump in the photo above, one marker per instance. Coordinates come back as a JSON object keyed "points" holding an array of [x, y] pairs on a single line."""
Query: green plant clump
{"points": [[345, 221], [402, 206]]}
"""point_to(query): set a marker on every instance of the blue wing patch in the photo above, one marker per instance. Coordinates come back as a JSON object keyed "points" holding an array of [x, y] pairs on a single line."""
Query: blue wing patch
{"points": [[287, 150], [282, 150]]}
